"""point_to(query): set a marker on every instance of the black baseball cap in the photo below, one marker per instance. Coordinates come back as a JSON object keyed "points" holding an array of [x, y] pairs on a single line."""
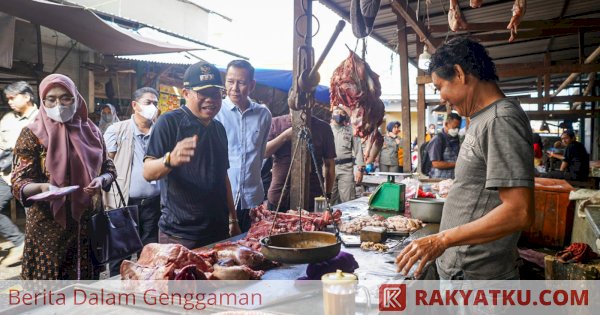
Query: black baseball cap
{"points": [[202, 75]]}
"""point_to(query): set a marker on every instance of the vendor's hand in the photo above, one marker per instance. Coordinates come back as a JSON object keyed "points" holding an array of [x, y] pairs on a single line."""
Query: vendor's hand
{"points": [[425, 249], [94, 185], [234, 229], [184, 151], [358, 177]]}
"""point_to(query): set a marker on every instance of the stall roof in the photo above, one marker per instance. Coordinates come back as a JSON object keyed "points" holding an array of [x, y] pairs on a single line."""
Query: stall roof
{"points": [[87, 28], [552, 26]]}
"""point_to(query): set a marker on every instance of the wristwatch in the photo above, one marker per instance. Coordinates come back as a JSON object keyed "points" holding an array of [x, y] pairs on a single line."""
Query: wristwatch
{"points": [[232, 221], [167, 160]]}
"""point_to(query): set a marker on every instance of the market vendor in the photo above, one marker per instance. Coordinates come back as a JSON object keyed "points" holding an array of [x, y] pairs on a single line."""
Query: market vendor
{"points": [[187, 151], [575, 163], [491, 199]]}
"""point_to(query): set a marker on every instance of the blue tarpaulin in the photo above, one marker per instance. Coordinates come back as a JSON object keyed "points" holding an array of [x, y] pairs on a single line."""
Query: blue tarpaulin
{"points": [[282, 80]]}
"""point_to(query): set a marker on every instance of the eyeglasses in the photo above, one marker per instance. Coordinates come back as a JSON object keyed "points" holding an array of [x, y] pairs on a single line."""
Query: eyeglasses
{"points": [[147, 102], [64, 100], [213, 93]]}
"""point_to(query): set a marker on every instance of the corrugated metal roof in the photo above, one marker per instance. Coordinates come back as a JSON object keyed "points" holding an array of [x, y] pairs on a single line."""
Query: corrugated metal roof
{"points": [[562, 48]]}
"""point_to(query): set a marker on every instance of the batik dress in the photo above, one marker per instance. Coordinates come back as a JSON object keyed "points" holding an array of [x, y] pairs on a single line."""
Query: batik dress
{"points": [[51, 251]]}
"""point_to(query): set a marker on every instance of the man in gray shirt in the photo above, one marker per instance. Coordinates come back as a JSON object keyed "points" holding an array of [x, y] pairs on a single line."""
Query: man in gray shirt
{"points": [[126, 143], [491, 199]]}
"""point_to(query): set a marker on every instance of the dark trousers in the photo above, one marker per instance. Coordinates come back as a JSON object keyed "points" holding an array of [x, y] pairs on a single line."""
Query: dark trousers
{"points": [[8, 229], [148, 215], [190, 244]]}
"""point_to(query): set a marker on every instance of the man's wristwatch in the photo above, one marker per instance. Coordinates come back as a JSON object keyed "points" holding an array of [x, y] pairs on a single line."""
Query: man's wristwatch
{"points": [[232, 221], [167, 160]]}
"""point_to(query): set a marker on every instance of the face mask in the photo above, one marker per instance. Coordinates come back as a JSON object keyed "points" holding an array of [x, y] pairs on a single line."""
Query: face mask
{"points": [[106, 117], [431, 131], [60, 113], [340, 119], [453, 132], [148, 111]]}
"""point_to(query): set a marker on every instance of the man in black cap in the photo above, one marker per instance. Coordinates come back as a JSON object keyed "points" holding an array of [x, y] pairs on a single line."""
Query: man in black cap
{"points": [[187, 151]]}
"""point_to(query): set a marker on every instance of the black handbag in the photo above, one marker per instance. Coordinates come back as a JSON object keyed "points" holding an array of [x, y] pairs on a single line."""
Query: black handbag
{"points": [[114, 233]]}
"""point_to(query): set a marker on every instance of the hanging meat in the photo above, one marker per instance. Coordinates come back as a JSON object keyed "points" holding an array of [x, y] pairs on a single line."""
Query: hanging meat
{"points": [[456, 21], [476, 3], [355, 88], [518, 11]]}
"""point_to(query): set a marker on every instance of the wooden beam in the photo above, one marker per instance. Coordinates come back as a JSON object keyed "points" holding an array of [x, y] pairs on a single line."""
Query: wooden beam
{"points": [[547, 79], [561, 114], [300, 176], [420, 108], [559, 99], [540, 90], [538, 25], [535, 34], [405, 93], [531, 69], [591, 58], [402, 9]]}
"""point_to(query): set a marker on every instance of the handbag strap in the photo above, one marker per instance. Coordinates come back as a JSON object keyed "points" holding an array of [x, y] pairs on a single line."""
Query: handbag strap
{"points": [[123, 204]]}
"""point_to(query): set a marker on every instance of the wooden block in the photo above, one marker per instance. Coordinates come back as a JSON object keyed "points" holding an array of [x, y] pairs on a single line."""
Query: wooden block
{"points": [[556, 270], [375, 234]]}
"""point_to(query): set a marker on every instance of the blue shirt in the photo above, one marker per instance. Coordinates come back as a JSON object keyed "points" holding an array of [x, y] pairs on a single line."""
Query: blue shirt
{"points": [[247, 141]]}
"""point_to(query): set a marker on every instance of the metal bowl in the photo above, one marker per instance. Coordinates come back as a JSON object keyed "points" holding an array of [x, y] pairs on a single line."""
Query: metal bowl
{"points": [[426, 209], [301, 247]]}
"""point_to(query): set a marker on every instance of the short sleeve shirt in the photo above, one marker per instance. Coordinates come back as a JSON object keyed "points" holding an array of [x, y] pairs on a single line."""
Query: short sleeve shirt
{"points": [[578, 159], [322, 139], [193, 195], [497, 152], [389, 152]]}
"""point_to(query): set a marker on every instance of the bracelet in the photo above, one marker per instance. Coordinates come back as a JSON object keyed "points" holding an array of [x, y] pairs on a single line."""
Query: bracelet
{"points": [[167, 160], [232, 221]]}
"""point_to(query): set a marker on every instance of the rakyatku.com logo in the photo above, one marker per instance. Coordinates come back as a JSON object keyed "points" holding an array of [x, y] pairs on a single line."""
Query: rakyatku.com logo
{"points": [[392, 297]]}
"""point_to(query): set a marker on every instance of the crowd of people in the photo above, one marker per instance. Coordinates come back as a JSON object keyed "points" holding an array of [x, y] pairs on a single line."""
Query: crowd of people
{"points": [[195, 172]]}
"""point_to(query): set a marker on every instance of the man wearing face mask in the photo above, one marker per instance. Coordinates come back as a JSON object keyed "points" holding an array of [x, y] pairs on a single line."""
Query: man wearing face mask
{"points": [[126, 143], [443, 148], [348, 150]]}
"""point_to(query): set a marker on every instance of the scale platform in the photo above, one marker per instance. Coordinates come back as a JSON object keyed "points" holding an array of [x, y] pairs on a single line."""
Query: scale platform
{"points": [[389, 197]]}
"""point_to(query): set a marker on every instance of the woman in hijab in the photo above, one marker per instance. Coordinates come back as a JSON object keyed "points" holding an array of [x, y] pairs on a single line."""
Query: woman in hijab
{"points": [[60, 148], [108, 116]]}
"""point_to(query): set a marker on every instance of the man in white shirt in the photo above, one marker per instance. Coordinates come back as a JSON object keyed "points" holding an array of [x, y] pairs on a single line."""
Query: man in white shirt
{"points": [[247, 125]]}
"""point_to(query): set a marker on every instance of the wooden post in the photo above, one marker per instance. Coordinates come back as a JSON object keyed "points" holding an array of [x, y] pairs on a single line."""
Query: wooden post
{"points": [[539, 92], [547, 80], [405, 92], [300, 176], [420, 107]]}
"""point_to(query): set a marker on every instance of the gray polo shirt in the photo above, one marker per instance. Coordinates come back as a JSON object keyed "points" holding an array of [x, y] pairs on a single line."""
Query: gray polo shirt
{"points": [[497, 152]]}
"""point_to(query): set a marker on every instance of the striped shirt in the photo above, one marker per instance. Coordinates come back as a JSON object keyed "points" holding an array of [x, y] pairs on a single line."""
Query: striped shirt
{"points": [[497, 152]]}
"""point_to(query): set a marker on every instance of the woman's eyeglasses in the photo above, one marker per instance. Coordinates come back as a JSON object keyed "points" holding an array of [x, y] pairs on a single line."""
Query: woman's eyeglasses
{"points": [[64, 100]]}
